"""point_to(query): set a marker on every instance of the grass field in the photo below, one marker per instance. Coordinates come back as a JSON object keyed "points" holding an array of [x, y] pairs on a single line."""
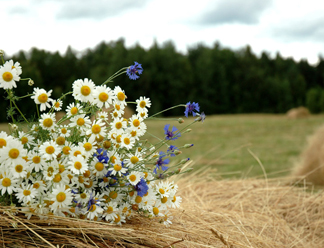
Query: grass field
{"points": [[234, 143]]}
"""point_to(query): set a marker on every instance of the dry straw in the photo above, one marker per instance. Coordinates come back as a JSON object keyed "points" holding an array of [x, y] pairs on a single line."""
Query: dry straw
{"points": [[215, 213]]}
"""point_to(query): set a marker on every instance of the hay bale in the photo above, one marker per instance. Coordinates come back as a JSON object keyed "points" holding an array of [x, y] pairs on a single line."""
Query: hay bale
{"points": [[298, 113], [233, 213], [311, 164]]}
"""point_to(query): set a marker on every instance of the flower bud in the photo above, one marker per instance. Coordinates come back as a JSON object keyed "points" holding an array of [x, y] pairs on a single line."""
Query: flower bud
{"points": [[183, 161], [14, 126], [177, 152], [188, 145], [1, 52], [180, 120], [31, 82]]}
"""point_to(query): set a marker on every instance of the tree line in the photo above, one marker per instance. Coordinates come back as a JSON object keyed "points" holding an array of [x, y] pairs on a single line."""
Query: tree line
{"points": [[219, 79]]}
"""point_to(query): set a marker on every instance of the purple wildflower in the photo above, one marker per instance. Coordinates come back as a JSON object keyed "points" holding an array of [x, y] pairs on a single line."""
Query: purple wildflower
{"points": [[102, 155], [160, 163], [133, 69], [191, 108], [92, 201], [141, 187], [171, 150], [171, 135]]}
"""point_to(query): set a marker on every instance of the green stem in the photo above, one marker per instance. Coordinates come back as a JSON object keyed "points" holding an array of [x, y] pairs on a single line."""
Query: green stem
{"points": [[25, 96], [20, 111], [180, 105], [116, 74]]}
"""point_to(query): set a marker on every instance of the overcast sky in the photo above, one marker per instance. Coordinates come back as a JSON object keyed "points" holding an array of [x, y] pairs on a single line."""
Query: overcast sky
{"points": [[292, 27]]}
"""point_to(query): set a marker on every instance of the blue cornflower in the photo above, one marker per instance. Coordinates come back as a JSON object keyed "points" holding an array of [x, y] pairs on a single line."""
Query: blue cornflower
{"points": [[171, 135], [171, 150], [141, 187], [190, 108], [102, 155], [160, 163], [133, 69], [92, 201]]}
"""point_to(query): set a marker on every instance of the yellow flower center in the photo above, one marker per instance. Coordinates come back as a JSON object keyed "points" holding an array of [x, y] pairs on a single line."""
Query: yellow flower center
{"points": [[89, 185], [19, 168], [64, 130], [103, 96], [77, 165], [7, 76], [83, 195], [118, 139], [60, 197], [115, 114], [113, 159], [117, 219], [81, 180], [87, 173], [85, 90], [132, 178], [134, 160], [99, 166], [133, 133], [61, 168], [145, 174], [42, 98], [92, 208], [3, 142], [24, 140], [66, 150], [6, 182], [80, 122], [107, 144], [57, 104], [50, 150], [161, 191], [60, 140], [121, 96], [74, 110], [100, 138], [138, 199], [48, 122], [13, 153], [110, 210], [118, 125], [76, 153], [87, 146], [142, 104], [113, 194], [96, 129], [136, 123], [26, 192], [117, 167], [117, 107], [126, 141], [36, 185], [156, 211], [164, 199], [57, 178], [143, 114]]}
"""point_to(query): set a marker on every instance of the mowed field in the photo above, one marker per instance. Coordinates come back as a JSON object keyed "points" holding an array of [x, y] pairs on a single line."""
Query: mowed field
{"points": [[240, 146]]}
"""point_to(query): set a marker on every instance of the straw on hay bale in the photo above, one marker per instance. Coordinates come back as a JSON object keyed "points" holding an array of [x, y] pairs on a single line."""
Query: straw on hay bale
{"points": [[231, 213], [297, 113], [311, 164]]}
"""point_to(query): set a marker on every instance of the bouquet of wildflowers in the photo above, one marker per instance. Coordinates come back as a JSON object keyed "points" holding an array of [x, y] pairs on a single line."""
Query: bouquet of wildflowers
{"points": [[95, 167]]}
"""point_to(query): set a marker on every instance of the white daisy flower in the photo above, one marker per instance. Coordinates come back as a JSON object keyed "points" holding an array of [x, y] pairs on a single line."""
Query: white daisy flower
{"points": [[127, 141], [47, 121], [83, 90], [16, 66], [64, 131], [102, 115], [117, 169], [74, 109], [26, 139], [8, 183], [25, 193], [8, 76], [78, 165], [4, 139], [142, 104], [98, 168], [156, 211], [49, 150], [57, 105], [110, 211], [118, 125], [120, 96], [94, 210], [142, 115], [89, 147], [12, 153], [134, 177], [42, 97], [133, 159], [50, 170], [103, 96], [19, 170], [81, 121], [61, 196], [119, 219], [97, 129], [163, 188], [82, 197]]}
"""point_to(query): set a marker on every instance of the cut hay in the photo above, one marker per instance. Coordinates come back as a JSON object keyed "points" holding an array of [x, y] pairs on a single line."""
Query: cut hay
{"points": [[298, 113], [233, 213], [311, 164]]}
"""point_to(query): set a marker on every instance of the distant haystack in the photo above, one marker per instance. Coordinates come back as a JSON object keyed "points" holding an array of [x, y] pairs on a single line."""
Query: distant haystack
{"points": [[297, 113], [311, 165]]}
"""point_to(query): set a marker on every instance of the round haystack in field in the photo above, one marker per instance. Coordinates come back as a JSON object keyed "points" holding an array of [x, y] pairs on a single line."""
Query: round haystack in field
{"points": [[297, 113], [311, 164], [226, 214]]}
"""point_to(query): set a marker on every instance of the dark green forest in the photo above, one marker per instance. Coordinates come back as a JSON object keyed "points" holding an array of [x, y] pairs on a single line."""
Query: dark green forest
{"points": [[221, 80]]}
